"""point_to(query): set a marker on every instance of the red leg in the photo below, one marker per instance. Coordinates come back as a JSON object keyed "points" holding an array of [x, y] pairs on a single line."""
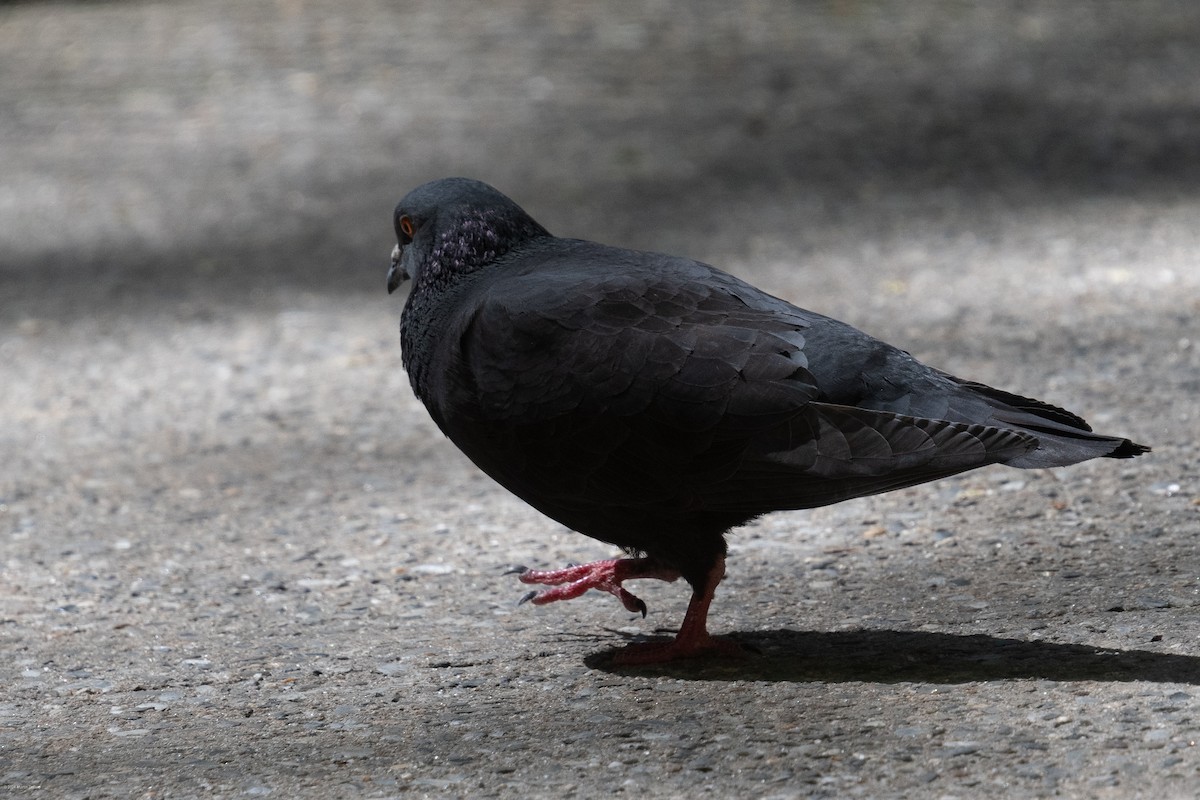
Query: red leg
{"points": [[693, 639]]}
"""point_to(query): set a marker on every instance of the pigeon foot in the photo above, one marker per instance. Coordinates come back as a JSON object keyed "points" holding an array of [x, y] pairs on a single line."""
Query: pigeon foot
{"points": [[606, 576]]}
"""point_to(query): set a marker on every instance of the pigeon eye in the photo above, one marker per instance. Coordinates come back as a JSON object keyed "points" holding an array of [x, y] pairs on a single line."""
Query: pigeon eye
{"points": [[405, 227]]}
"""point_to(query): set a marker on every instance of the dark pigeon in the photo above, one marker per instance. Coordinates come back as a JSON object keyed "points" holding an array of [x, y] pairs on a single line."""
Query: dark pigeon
{"points": [[654, 402]]}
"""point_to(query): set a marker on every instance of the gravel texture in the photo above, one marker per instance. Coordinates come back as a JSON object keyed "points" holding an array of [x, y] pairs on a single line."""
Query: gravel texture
{"points": [[237, 559]]}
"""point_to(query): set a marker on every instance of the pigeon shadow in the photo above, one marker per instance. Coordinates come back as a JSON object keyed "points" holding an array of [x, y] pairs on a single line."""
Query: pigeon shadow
{"points": [[885, 656]]}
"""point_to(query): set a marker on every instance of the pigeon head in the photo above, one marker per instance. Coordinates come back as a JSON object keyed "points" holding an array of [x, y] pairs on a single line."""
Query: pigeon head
{"points": [[454, 226]]}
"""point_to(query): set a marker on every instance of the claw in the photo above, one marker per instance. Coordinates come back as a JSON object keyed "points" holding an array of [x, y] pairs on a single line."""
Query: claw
{"points": [[516, 569], [631, 601], [605, 576], [526, 598]]}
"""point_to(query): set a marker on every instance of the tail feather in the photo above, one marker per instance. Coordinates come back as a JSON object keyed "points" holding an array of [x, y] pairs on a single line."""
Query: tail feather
{"points": [[1059, 446], [1029, 405], [1063, 438]]}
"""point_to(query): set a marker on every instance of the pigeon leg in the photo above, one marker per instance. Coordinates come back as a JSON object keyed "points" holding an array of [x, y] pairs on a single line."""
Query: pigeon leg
{"points": [[693, 639], [606, 576]]}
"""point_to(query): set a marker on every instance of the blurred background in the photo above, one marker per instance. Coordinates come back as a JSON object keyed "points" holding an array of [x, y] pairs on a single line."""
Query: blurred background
{"points": [[224, 152]]}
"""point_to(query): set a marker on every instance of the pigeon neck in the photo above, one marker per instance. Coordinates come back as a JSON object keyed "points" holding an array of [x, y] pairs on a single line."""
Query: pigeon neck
{"points": [[480, 237]]}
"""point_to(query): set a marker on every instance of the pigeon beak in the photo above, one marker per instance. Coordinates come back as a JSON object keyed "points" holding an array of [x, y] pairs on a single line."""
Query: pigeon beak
{"points": [[396, 273]]}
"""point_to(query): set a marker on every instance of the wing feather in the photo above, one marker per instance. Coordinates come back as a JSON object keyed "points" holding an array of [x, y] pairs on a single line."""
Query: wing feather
{"points": [[688, 394]]}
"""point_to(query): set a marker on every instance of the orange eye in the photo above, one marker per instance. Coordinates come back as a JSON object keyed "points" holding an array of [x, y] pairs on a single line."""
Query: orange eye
{"points": [[406, 227]]}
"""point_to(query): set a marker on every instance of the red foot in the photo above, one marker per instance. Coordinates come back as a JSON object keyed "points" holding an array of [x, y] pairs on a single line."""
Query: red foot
{"points": [[693, 639], [607, 576]]}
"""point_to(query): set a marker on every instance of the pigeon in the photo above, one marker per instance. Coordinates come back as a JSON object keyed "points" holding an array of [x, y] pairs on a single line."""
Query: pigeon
{"points": [[655, 403]]}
